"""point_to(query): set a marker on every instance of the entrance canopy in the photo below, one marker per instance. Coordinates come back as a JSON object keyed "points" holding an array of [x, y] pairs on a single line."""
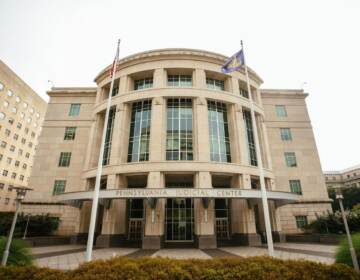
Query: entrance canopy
{"points": [[280, 198]]}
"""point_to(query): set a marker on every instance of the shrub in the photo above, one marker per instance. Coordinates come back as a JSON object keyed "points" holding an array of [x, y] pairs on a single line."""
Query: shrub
{"points": [[254, 268], [19, 253], [39, 225], [343, 252], [351, 197]]}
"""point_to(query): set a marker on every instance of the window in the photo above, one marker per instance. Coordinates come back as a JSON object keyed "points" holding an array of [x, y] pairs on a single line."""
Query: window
{"points": [[27, 155], [14, 110], [179, 142], [244, 93], [59, 187], [30, 144], [1, 86], [32, 134], [19, 125], [108, 136], [69, 133], [215, 84], [74, 110], [2, 186], [13, 175], [143, 83], [7, 200], [290, 159], [37, 115], [2, 116], [31, 110], [17, 99], [64, 159], [11, 121], [24, 166], [295, 186], [115, 91], [1, 156], [179, 81], [22, 115], [21, 177], [281, 111], [7, 132], [28, 120], [301, 221], [218, 132], [25, 105], [139, 131], [12, 148], [17, 163], [250, 137], [8, 160], [285, 134], [6, 104], [3, 144], [23, 140], [10, 93], [26, 130], [20, 152], [16, 136], [5, 173], [10, 188]]}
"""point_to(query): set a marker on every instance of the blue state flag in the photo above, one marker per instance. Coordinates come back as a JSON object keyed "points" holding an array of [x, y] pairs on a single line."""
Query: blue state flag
{"points": [[234, 62]]}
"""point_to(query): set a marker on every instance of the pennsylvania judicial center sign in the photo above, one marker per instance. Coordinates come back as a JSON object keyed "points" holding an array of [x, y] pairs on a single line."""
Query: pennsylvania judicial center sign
{"points": [[176, 193]]}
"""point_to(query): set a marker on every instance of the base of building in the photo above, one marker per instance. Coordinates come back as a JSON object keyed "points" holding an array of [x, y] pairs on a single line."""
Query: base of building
{"points": [[244, 239], [205, 241], [278, 236], [152, 242]]}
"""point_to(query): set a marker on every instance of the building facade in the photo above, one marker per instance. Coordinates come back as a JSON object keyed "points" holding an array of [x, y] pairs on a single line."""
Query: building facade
{"points": [[349, 177], [180, 166], [22, 112]]}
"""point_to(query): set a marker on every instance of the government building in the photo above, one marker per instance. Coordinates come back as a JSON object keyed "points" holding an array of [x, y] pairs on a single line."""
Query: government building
{"points": [[346, 178], [180, 167], [22, 112]]}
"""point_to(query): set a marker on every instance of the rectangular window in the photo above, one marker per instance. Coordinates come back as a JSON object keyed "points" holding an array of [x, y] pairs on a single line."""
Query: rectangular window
{"points": [[5, 173], [143, 83], [295, 186], [74, 110], [7, 132], [16, 137], [24, 166], [19, 125], [108, 138], [179, 142], [301, 221], [285, 134], [1, 156], [26, 130], [2, 186], [3, 144], [27, 155], [21, 177], [69, 133], [30, 144], [139, 138], [218, 132], [7, 200], [290, 159], [179, 81], [244, 93], [20, 152], [281, 111], [250, 137], [215, 84], [23, 140], [115, 91], [13, 175], [12, 148], [64, 160], [59, 187], [8, 160], [17, 163]]}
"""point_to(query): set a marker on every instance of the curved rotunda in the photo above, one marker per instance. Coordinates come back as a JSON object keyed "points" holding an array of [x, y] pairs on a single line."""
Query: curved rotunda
{"points": [[178, 126]]}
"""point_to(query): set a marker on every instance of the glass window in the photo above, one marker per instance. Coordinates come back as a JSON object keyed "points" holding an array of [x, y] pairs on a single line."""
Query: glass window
{"points": [[25, 105], [179, 142], [1, 86], [12, 148], [13, 110], [17, 99], [10, 93], [244, 93], [215, 84], [37, 115], [7, 132], [2, 116], [59, 187], [6, 104], [285, 134], [250, 137], [281, 111], [29, 120], [21, 177], [295, 186], [13, 175], [74, 110], [69, 133], [22, 115], [24, 166], [19, 125], [20, 151], [26, 130], [64, 159], [1, 156], [32, 134], [2, 185], [8, 160], [218, 132], [290, 159], [27, 155], [115, 91], [179, 81], [11, 121], [16, 136], [140, 131], [143, 83], [7, 200], [301, 221], [23, 140], [17, 163], [3, 144], [108, 137], [5, 173]]}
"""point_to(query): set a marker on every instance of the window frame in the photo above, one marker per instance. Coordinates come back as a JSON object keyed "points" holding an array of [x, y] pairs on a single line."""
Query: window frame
{"points": [[74, 109], [281, 111], [70, 132], [64, 159]]}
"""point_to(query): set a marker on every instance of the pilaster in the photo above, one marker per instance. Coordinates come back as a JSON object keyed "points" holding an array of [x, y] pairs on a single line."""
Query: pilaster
{"points": [[202, 130], [157, 133]]}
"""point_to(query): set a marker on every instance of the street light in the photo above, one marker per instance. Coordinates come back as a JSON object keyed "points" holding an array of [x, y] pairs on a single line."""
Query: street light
{"points": [[340, 197], [20, 195]]}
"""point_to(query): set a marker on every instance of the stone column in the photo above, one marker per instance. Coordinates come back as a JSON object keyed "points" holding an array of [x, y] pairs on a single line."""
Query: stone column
{"points": [[199, 78], [154, 228], [266, 143], [113, 231], [159, 78], [204, 226], [81, 236], [157, 133], [202, 143], [278, 235]]}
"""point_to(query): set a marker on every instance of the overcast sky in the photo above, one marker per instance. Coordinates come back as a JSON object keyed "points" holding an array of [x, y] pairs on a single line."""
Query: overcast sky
{"points": [[287, 43]]}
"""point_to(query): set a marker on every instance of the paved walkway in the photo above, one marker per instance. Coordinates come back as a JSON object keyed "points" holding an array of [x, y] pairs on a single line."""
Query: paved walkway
{"points": [[71, 256]]}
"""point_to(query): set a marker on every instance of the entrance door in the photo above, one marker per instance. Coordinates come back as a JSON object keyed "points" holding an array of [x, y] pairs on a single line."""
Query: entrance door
{"points": [[136, 214], [222, 218], [179, 220]]}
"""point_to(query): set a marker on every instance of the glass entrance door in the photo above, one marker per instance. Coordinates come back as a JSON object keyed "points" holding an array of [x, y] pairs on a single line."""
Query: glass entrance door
{"points": [[179, 220]]}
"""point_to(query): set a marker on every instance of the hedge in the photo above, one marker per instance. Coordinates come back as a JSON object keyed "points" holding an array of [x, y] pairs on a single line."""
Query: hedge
{"points": [[254, 268]]}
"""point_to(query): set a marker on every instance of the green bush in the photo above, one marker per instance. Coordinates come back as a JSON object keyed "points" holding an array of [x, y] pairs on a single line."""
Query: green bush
{"points": [[39, 225], [19, 253], [343, 252], [254, 268], [351, 197]]}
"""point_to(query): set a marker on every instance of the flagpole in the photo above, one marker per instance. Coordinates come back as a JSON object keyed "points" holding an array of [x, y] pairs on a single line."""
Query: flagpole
{"points": [[260, 166], [95, 200]]}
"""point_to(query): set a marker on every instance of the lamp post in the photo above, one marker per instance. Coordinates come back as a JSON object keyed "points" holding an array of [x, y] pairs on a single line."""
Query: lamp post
{"points": [[20, 195], [340, 197]]}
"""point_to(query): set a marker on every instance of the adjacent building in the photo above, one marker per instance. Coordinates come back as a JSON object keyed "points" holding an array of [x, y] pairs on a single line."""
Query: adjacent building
{"points": [[349, 177], [22, 112], [180, 167]]}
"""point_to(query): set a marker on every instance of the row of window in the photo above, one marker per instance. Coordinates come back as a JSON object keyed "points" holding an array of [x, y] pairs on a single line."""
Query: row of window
{"points": [[16, 162], [3, 144], [20, 153], [5, 173], [6, 200]]}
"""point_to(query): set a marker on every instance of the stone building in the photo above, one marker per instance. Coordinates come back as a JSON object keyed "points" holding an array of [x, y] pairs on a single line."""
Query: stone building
{"points": [[180, 167], [349, 177], [22, 111]]}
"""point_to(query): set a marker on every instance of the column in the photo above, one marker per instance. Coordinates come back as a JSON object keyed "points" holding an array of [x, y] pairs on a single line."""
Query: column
{"points": [[266, 143], [113, 231], [277, 233], [241, 136], [159, 78], [202, 143], [117, 133], [154, 218], [204, 226], [234, 113], [81, 236], [157, 132], [199, 78]]}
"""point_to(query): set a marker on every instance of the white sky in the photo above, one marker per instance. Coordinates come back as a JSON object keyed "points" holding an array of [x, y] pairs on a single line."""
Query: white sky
{"points": [[287, 43]]}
